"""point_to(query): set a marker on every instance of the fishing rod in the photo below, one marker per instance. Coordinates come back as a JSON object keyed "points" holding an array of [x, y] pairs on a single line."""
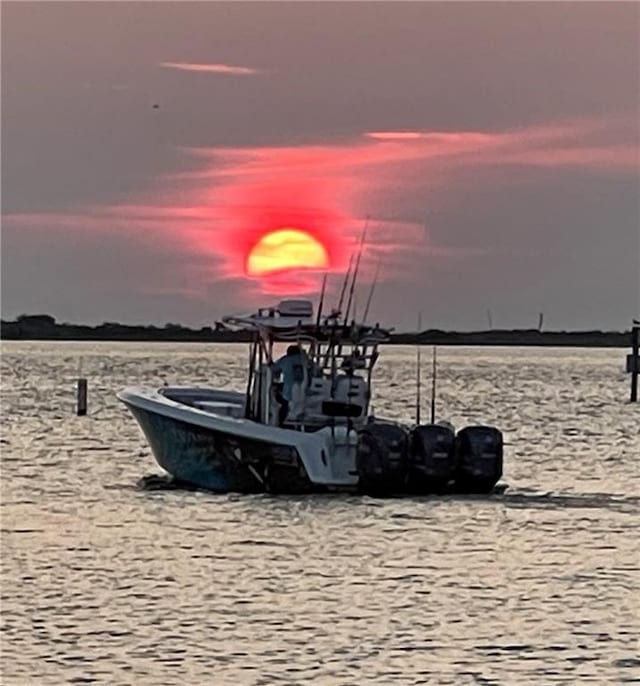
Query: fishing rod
{"points": [[373, 288], [355, 271], [332, 341], [319, 316], [336, 312], [324, 286], [344, 284]]}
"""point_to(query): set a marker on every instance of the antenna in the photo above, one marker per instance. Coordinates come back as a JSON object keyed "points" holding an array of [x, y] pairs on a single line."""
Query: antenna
{"points": [[335, 314], [373, 288], [433, 387], [344, 283], [418, 370], [355, 271], [316, 346], [324, 286]]}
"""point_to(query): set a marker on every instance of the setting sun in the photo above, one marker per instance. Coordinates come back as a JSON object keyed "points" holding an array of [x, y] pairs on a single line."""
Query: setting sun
{"points": [[286, 249]]}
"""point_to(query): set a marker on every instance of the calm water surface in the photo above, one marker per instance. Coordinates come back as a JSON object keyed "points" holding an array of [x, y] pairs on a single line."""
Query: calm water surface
{"points": [[107, 582]]}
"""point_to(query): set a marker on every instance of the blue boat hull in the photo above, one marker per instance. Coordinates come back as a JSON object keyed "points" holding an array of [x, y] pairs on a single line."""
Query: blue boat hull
{"points": [[207, 458]]}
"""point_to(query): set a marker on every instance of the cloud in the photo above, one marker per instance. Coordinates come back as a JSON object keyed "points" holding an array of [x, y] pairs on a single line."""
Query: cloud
{"points": [[230, 69], [395, 135], [587, 145]]}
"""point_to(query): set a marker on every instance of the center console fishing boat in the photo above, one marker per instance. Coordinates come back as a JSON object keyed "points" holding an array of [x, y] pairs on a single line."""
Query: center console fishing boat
{"points": [[326, 439]]}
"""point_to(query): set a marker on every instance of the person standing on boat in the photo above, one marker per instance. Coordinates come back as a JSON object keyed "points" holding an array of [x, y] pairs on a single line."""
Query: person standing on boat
{"points": [[294, 367]]}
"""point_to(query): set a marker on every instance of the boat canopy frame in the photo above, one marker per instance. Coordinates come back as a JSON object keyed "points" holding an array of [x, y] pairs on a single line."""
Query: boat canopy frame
{"points": [[334, 348]]}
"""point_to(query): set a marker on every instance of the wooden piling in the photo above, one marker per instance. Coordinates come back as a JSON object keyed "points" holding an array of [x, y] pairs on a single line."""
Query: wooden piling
{"points": [[633, 362], [82, 398]]}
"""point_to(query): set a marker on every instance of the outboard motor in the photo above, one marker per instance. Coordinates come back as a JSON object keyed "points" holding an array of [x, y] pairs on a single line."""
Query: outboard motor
{"points": [[479, 453], [381, 459], [432, 459]]}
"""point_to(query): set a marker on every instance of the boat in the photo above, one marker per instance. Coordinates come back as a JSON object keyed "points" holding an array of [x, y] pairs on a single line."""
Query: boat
{"points": [[325, 438]]}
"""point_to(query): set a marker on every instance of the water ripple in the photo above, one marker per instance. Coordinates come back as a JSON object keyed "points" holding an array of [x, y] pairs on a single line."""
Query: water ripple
{"points": [[113, 577]]}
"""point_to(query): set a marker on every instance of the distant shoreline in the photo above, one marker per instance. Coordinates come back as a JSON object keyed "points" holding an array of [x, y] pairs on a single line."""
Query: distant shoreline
{"points": [[45, 328]]}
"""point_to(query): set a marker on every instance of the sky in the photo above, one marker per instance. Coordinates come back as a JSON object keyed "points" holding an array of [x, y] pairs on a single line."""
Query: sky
{"points": [[178, 161]]}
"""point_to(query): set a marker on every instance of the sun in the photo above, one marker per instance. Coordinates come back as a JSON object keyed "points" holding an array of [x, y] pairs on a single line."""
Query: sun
{"points": [[286, 249]]}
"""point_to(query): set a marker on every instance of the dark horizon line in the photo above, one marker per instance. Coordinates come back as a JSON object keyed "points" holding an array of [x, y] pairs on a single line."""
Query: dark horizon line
{"points": [[45, 327], [42, 318]]}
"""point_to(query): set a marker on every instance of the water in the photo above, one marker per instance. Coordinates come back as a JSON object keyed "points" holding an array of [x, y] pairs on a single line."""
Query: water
{"points": [[106, 582]]}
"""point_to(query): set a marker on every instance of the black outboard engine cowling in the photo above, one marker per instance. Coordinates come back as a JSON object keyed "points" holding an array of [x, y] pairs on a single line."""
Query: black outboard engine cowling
{"points": [[381, 459], [479, 453], [432, 459]]}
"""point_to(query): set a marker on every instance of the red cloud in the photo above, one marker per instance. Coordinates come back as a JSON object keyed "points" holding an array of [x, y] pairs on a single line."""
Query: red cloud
{"points": [[211, 68], [236, 195]]}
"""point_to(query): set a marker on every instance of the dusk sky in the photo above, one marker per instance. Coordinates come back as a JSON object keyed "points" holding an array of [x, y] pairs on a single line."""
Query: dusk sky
{"points": [[152, 151]]}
